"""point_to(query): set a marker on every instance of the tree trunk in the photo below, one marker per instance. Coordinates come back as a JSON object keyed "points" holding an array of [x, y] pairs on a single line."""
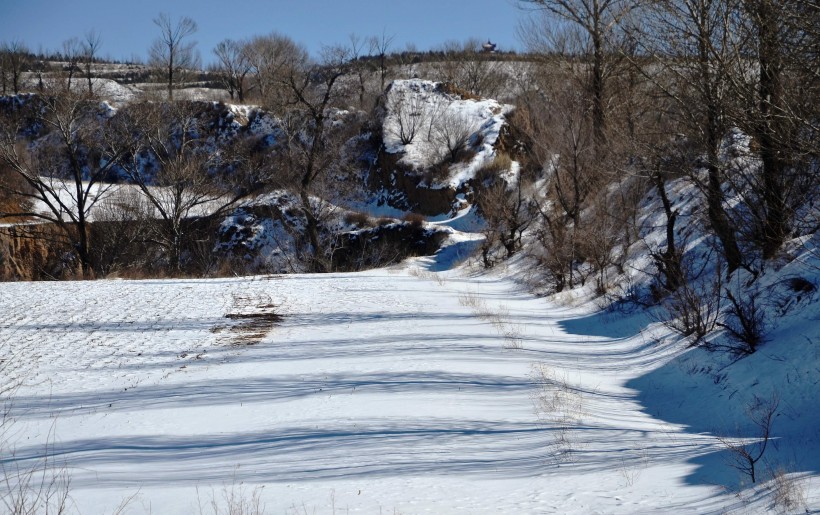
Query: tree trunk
{"points": [[171, 75], [668, 261], [317, 258], [770, 130], [598, 83]]}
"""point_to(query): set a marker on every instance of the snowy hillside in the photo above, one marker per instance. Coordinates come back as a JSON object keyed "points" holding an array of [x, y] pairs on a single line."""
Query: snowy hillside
{"points": [[423, 119]]}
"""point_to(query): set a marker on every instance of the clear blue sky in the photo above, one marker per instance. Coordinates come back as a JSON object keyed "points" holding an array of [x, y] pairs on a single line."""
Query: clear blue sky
{"points": [[127, 30]]}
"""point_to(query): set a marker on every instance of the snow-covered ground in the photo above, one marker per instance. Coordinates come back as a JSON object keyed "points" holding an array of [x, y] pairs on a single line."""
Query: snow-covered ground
{"points": [[422, 388]]}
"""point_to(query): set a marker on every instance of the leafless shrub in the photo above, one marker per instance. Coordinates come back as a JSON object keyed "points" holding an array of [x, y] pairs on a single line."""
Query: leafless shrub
{"points": [[507, 212], [745, 453], [501, 163], [41, 487], [499, 319], [557, 252], [425, 275], [409, 113], [358, 219], [451, 132], [693, 309], [414, 219], [745, 321], [236, 498], [598, 239]]}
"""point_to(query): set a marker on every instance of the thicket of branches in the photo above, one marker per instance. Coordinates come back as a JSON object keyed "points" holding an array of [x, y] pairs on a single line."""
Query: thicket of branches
{"points": [[651, 95]]}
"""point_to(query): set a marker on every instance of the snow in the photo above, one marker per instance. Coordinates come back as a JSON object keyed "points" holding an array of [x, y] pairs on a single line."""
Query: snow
{"points": [[411, 389], [425, 104], [109, 89]]}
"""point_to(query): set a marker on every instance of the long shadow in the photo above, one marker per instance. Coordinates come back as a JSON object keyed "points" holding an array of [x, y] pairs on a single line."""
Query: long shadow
{"points": [[449, 256], [607, 325], [687, 391], [325, 318], [261, 390], [127, 326], [373, 448], [470, 346], [369, 449], [672, 393]]}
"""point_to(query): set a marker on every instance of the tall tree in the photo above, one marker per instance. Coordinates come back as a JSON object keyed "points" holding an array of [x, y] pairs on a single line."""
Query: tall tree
{"points": [[273, 58], [312, 149], [180, 174], [781, 110], [72, 53], [379, 46], [65, 174], [597, 20], [234, 67], [693, 44], [15, 56], [91, 46], [172, 53]]}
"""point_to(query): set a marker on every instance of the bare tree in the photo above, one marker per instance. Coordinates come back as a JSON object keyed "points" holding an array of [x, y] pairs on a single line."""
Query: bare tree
{"points": [[692, 42], [66, 173], [505, 207], [274, 58], [744, 455], [452, 131], [91, 46], [15, 57], [359, 67], [172, 53], [72, 53], [314, 140], [597, 20], [179, 175], [379, 46], [408, 115], [234, 67], [780, 111], [561, 139]]}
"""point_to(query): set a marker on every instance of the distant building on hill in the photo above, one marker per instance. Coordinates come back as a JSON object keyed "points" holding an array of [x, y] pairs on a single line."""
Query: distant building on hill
{"points": [[488, 47]]}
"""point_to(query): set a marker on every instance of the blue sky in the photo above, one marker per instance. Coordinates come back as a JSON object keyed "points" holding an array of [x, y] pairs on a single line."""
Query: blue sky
{"points": [[127, 30]]}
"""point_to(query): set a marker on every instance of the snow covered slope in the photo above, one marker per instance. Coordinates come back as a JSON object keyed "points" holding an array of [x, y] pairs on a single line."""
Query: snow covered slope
{"points": [[436, 117]]}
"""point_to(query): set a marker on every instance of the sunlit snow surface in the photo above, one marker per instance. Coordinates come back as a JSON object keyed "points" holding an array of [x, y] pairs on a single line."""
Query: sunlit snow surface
{"points": [[391, 390]]}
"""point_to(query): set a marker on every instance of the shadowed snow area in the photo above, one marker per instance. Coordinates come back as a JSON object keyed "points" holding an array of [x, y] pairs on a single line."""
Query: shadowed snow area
{"points": [[411, 389]]}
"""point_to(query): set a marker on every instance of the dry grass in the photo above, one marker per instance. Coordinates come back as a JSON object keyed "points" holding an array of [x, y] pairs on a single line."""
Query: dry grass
{"points": [[235, 498], [788, 493], [427, 276], [414, 219], [560, 405], [501, 163], [512, 334]]}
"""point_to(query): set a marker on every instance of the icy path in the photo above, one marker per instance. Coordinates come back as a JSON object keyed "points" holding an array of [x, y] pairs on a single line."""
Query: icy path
{"points": [[390, 391]]}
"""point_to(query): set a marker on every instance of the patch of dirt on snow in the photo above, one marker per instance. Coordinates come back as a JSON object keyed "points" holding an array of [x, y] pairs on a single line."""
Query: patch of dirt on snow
{"points": [[255, 318]]}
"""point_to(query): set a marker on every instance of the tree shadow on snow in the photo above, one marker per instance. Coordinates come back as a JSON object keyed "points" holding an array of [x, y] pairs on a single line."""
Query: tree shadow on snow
{"points": [[607, 324]]}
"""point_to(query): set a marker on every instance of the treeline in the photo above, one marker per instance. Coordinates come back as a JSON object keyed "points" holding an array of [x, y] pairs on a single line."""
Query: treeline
{"points": [[661, 90]]}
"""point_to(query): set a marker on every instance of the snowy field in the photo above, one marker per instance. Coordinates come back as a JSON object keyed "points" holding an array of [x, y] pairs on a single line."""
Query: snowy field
{"points": [[403, 390]]}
